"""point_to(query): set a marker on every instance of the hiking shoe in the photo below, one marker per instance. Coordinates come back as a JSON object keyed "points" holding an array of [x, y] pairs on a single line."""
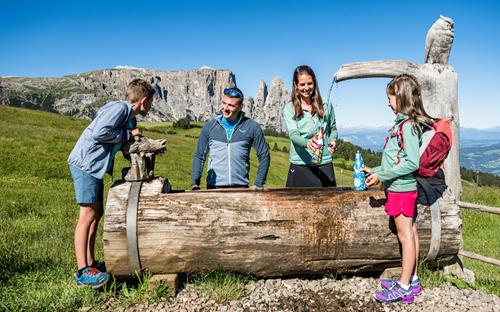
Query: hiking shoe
{"points": [[99, 265], [388, 283], [91, 277], [395, 293]]}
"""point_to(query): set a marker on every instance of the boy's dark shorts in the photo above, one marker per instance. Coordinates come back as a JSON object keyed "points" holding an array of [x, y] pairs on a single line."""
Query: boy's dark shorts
{"points": [[88, 189]]}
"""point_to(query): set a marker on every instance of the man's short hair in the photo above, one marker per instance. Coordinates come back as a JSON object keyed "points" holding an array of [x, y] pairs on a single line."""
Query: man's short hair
{"points": [[139, 88]]}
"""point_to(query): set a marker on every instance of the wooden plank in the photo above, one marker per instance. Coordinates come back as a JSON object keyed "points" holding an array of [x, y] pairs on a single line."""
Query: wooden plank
{"points": [[374, 69], [475, 256], [477, 207]]}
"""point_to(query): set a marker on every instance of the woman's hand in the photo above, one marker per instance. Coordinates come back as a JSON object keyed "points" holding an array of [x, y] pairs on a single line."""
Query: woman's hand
{"points": [[312, 145], [332, 147]]}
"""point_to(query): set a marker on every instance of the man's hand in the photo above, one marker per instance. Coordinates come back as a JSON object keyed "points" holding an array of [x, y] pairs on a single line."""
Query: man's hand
{"points": [[256, 188], [195, 187], [136, 132]]}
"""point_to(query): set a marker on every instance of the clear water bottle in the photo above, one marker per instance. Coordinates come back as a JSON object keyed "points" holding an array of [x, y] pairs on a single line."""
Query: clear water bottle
{"points": [[318, 154], [359, 176]]}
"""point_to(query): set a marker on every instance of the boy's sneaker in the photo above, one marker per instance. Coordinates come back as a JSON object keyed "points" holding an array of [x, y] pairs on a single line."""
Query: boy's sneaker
{"points": [[395, 293], [99, 265], [91, 277], [388, 283]]}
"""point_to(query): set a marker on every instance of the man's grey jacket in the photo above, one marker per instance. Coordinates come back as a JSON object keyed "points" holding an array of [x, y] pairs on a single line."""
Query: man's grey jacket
{"points": [[229, 157]]}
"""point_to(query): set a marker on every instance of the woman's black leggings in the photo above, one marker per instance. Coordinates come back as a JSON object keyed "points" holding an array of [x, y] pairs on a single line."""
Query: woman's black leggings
{"points": [[311, 176]]}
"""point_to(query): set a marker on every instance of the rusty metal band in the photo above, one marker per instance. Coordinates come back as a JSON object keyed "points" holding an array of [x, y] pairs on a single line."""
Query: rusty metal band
{"points": [[132, 207], [435, 232]]}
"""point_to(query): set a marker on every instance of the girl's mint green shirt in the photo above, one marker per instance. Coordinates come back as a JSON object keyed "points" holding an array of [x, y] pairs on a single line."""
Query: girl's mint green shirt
{"points": [[302, 129], [399, 177]]}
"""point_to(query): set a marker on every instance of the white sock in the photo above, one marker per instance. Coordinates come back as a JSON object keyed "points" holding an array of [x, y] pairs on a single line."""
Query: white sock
{"points": [[405, 287], [414, 278]]}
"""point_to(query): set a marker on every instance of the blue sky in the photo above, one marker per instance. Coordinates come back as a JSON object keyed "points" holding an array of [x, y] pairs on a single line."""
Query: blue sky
{"points": [[259, 40]]}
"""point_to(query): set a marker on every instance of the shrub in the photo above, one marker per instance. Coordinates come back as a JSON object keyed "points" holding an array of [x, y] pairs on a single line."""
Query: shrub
{"points": [[272, 132], [184, 123]]}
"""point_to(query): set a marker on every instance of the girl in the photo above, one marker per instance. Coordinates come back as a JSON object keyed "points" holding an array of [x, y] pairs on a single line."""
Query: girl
{"points": [[304, 116], [395, 172]]}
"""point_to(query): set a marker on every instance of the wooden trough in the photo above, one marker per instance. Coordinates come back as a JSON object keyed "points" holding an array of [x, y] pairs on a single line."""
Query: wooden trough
{"points": [[274, 232]]}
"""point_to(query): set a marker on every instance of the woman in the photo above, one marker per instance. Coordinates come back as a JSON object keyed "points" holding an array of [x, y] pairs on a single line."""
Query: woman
{"points": [[304, 117]]}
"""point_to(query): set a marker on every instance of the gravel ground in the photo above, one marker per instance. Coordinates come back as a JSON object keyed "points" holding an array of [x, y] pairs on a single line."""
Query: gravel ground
{"points": [[354, 294]]}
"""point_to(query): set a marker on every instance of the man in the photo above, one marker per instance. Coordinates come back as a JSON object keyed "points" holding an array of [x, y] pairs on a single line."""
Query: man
{"points": [[89, 160], [229, 136]]}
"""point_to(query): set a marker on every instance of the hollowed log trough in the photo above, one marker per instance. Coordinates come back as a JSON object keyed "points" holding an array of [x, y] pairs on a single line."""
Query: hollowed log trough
{"points": [[274, 232]]}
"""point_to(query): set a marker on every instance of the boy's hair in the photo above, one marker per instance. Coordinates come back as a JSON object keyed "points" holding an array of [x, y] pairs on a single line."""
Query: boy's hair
{"points": [[316, 101], [407, 91], [139, 88]]}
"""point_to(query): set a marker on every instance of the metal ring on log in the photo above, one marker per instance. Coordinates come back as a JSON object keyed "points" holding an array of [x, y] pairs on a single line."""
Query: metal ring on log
{"points": [[132, 207], [435, 232]]}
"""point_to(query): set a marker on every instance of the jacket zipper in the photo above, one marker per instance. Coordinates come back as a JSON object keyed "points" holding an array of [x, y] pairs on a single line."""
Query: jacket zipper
{"points": [[228, 138]]}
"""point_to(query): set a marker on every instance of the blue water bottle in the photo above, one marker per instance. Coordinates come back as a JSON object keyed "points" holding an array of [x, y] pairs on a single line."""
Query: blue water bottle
{"points": [[359, 176]]}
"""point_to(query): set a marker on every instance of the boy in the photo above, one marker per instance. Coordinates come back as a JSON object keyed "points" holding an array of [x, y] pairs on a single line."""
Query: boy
{"points": [[90, 159]]}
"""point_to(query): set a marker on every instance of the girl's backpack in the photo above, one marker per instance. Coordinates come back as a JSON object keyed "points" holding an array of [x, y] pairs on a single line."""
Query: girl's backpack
{"points": [[436, 144]]}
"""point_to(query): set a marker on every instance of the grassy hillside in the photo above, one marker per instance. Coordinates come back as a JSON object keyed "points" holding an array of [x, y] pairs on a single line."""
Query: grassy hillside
{"points": [[480, 234], [38, 212]]}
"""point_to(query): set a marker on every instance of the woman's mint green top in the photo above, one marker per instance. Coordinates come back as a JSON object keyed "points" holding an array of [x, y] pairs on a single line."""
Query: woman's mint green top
{"points": [[398, 177], [302, 129]]}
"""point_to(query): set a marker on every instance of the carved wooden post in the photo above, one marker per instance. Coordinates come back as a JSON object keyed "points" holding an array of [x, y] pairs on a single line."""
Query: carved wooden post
{"points": [[142, 152]]}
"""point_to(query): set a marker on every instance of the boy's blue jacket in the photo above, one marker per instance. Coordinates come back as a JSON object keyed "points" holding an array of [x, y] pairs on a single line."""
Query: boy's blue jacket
{"points": [[93, 149], [229, 159]]}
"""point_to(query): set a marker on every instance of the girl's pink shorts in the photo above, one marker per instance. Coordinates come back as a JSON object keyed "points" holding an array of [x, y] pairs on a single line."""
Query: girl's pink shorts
{"points": [[401, 203]]}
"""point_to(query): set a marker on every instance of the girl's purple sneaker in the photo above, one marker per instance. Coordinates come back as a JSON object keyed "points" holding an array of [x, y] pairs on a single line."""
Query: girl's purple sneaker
{"points": [[388, 283], [395, 293]]}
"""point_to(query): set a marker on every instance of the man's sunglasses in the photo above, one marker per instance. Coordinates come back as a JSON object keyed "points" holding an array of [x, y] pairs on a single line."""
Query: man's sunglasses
{"points": [[233, 93]]}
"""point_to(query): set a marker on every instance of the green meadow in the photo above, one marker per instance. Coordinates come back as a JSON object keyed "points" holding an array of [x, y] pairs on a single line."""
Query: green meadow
{"points": [[38, 211]]}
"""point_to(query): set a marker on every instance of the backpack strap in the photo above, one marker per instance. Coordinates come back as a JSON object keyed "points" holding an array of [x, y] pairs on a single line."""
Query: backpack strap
{"points": [[399, 136]]}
